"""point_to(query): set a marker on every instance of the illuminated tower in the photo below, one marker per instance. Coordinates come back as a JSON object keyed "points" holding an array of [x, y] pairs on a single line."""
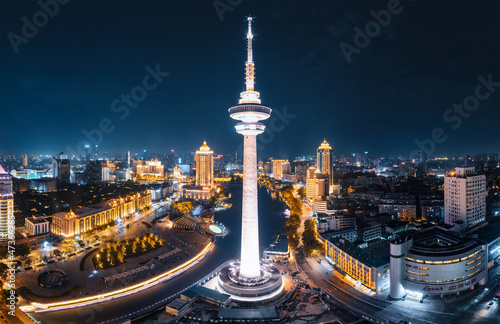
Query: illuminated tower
{"points": [[128, 174], [249, 112], [204, 158], [6, 203], [324, 158], [250, 277]]}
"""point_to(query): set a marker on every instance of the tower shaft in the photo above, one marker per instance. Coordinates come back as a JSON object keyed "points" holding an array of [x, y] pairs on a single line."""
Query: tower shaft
{"points": [[250, 219]]}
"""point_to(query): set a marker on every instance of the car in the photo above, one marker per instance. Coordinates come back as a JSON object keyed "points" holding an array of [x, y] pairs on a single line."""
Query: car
{"points": [[497, 296]]}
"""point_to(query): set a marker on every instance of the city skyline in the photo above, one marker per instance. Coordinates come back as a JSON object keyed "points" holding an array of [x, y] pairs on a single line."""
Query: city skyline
{"points": [[380, 98], [365, 185]]}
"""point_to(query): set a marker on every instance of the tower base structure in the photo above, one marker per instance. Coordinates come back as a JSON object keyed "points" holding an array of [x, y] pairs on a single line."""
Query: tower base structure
{"points": [[265, 288]]}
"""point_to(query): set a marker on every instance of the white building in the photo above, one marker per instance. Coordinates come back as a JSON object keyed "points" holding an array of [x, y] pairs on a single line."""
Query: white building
{"points": [[436, 262], [465, 197], [6, 204], [36, 225], [320, 206]]}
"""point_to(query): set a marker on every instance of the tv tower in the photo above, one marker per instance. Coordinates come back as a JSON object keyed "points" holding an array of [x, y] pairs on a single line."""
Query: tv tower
{"points": [[250, 279]]}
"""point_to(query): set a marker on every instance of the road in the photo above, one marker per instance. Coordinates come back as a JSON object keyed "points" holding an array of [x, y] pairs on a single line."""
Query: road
{"points": [[342, 290], [117, 311]]}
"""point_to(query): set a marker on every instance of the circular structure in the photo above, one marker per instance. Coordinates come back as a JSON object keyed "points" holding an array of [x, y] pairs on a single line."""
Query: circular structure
{"points": [[267, 287], [436, 262], [52, 279], [216, 229]]}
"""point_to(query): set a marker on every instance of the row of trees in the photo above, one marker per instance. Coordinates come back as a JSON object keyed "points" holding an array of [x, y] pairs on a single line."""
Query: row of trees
{"points": [[116, 252], [310, 238], [293, 222], [310, 235]]}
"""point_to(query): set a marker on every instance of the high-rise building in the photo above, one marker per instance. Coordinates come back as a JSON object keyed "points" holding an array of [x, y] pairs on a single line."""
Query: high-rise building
{"points": [[465, 197], [278, 168], [6, 203], [96, 152], [61, 168], [249, 279], [310, 183], [324, 158], [204, 159], [317, 184], [128, 174], [98, 171], [423, 163], [25, 160]]}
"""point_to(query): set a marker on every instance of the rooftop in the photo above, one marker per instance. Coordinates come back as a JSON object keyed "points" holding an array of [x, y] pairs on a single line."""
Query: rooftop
{"points": [[36, 220], [435, 242], [177, 304], [248, 313], [395, 223], [209, 293], [359, 254], [281, 245], [489, 233]]}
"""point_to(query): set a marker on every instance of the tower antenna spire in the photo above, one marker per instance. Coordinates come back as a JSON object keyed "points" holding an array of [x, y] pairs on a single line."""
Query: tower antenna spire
{"points": [[249, 96]]}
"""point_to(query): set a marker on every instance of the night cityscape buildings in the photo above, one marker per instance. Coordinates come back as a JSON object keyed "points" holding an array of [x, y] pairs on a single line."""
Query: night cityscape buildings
{"points": [[6, 203], [136, 223]]}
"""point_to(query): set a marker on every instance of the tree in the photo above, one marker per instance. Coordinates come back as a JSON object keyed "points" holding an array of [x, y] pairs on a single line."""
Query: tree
{"points": [[310, 238], [302, 192], [293, 221], [182, 207]]}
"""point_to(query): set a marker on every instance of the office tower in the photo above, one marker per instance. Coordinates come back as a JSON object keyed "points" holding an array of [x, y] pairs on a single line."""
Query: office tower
{"points": [[465, 197], [423, 163], [61, 168], [324, 158], [87, 156], [249, 279], [25, 160], [6, 204], [204, 159]]}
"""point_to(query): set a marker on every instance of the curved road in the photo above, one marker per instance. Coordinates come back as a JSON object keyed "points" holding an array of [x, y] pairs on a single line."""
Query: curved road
{"points": [[121, 309]]}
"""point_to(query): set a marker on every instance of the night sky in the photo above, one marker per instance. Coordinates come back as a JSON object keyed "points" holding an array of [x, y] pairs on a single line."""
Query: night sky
{"points": [[395, 90]]}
